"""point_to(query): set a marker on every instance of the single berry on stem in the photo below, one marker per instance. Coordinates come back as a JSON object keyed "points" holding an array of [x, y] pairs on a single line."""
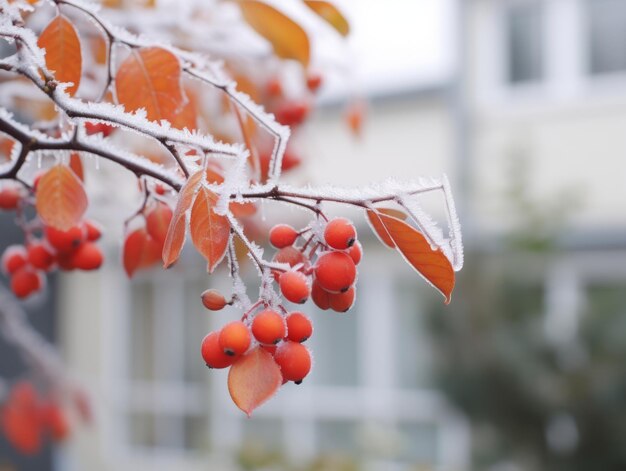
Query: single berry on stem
{"points": [[299, 327], [234, 338], [294, 287], [213, 300], [340, 234], [282, 235], [335, 271], [268, 327], [213, 354], [294, 360]]}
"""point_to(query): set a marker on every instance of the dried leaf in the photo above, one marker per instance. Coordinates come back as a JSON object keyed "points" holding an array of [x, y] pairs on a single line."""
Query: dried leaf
{"points": [[63, 54], [289, 40], [175, 238], [433, 265], [209, 231], [140, 251], [61, 200], [149, 78], [253, 379], [330, 13]]}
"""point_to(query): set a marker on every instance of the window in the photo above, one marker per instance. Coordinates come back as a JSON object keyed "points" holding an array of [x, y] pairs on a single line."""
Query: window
{"points": [[607, 36], [524, 42]]}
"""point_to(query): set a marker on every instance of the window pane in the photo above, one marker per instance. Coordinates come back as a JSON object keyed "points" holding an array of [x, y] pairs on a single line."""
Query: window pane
{"points": [[524, 42], [142, 332], [607, 36]]}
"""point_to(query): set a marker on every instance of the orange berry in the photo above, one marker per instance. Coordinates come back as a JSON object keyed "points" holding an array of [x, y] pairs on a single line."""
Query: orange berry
{"points": [[320, 296], [270, 348], [335, 271], [313, 81], [299, 327], [65, 241], [294, 287], [87, 257], [268, 327], [39, 256], [340, 234], [213, 300], [289, 255], [158, 221], [341, 302], [274, 88], [356, 252], [282, 235], [25, 281], [212, 354], [93, 230], [294, 360], [234, 338], [10, 196], [14, 258]]}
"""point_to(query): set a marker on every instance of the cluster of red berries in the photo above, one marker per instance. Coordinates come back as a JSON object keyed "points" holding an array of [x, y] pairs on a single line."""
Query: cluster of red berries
{"points": [[329, 281], [281, 336], [75, 248], [333, 274], [26, 419]]}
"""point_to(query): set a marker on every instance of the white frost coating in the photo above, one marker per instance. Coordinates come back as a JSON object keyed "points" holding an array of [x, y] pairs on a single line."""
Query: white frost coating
{"points": [[239, 287], [427, 225], [384, 191], [455, 226], [235, 180]]}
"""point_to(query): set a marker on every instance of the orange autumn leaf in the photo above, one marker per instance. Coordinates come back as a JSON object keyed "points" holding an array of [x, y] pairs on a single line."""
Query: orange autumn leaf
{"points": [[253, 379], [140, 251], [209, 231], [433, 265], [149, 78], [242, 209], [289, 40], [61, 200], [331, 14], [76, 164], [6, 147], [63, 54], [175, 237]]}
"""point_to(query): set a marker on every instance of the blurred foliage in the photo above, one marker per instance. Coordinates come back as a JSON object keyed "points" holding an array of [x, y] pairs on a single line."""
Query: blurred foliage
{"points": [[534, 404]]}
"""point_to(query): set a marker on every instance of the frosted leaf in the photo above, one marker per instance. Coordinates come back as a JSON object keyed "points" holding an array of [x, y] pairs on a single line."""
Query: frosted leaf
{"points": [[455, 226]]}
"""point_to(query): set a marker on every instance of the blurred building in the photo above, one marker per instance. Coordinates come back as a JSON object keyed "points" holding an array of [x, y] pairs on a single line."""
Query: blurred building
{"points": [[536, 99]]}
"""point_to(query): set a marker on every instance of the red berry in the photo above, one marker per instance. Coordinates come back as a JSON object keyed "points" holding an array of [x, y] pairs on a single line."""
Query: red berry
{"points": [[340, 234], [21, 419], [25, 281], [313, 81], [335, 271], [320, 296], [87, 257], [299, 327], [39, 256], [65, 241], [270, 348], [213, 354], [289, 255], [93, 230], [158, 222], [234, 338], [356, 252], [14, 258], [213, 300], [56, 421], [159, 189], [268, 327], [341, 302], [294, 287], [282, 235], [292, 113], [294, 360], [10, 196]]}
